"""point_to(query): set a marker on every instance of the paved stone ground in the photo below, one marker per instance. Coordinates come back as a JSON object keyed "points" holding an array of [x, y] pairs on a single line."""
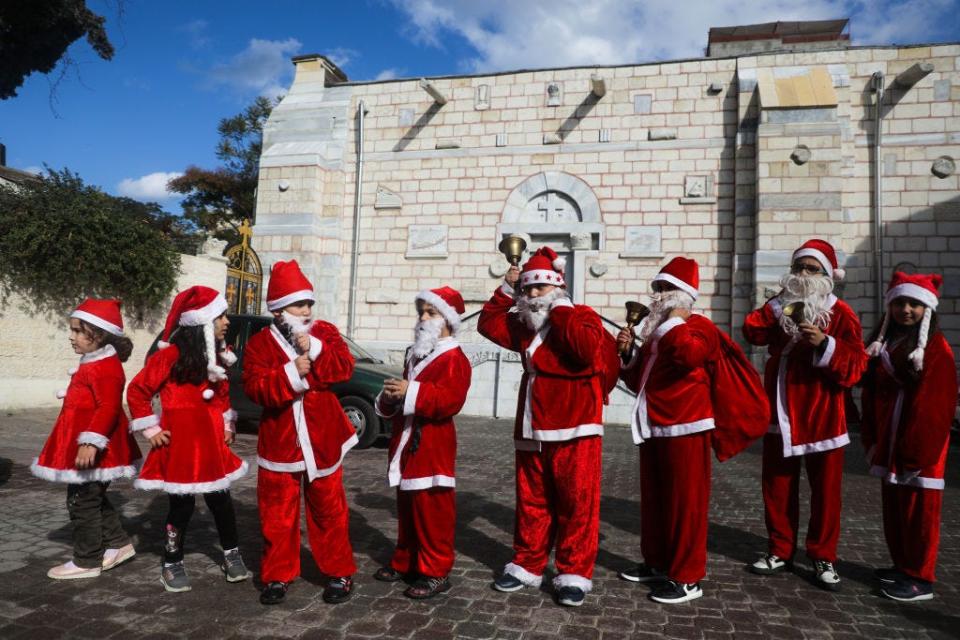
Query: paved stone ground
{"points": [[129, 602]]}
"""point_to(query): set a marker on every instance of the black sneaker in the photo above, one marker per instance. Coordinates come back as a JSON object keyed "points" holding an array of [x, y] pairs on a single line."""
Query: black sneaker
{"points": [[425, 588], [908, 590], [338, 590], [570, 596], [643, 573], [274, 593], [387, 573], [507, 583], [673, 592]]}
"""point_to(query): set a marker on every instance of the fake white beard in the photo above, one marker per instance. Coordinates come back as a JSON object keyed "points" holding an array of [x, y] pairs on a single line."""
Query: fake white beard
{"points": [[298, 325], [661, 304], [814, 292], [535, 311], [426, 334]]}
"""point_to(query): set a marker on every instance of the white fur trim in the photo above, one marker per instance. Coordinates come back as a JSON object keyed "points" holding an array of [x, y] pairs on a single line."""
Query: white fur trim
{"points": [[72, 371], [230, 420], [521, 574], [207, 394], [183, 488], [913, 479], [573, 580], [916, 356], [74, 476], [541, 276], [204, 315], [97, 321], [102, 353], [559, 264], [228, 357], [824, 360], [449, 313], [162, 344], [98, 440], [410, 400], [819, 446], [910, 290], [839, 274], [561, 435], [820, 257], [281, 467], [507, 290], [145, 422], [682, 429], [61, 394], [298, 384], [677, 282], [290, 298], [418, 484], [666, 326], [316, 348], [376, 407], [562, 301]]}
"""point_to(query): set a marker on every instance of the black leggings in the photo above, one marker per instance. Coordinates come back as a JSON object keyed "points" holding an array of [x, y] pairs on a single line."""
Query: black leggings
{"points": [[181, 509]]}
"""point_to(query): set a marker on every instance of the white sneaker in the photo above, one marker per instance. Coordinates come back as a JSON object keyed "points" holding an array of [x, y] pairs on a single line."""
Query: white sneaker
{"points": [[768, 565], [827, 576], [114, 557], [70, 571], [672, 592]]}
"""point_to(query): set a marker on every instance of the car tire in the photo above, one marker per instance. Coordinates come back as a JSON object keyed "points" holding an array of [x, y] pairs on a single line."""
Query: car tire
{"points": [[364, 419]]}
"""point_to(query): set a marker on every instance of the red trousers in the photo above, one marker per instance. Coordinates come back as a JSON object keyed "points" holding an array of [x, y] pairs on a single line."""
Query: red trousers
{"points": [[558, 502], [911, 525], [278, 498], [427, 519], [781, 499], [675, 504]]}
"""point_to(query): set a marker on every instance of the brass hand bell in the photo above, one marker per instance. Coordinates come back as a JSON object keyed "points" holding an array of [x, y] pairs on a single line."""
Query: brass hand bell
{"points": [[512, 247], [794, 311], [636, 312]]}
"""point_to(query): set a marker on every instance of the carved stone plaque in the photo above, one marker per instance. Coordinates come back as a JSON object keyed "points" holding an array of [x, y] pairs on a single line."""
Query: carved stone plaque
{"points": [[386, 199], [642, 242], [695, 187], [481, 100], [427, 241]]}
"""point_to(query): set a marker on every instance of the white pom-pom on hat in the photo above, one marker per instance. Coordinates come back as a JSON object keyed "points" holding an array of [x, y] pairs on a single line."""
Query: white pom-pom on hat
{"points": [[61, 394], [228, 357], [162, 344], [839, 274], [207, 394], [559, 263], [72, 371]]}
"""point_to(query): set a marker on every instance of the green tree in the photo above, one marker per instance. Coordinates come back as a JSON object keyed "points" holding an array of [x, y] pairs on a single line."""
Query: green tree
{"points": [[35, 34], [218, 200], [62, 240]]}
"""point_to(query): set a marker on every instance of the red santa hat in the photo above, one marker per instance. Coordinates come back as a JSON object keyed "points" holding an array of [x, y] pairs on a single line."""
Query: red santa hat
{"points": [[822, 251], [104, 314], [683, 273], [287, 285], [922, 287], [194, 307], [543, 267], [448, 302]]}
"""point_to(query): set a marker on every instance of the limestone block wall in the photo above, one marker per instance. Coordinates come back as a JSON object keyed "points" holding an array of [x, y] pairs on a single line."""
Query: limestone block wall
{"points": [[35, 352]]}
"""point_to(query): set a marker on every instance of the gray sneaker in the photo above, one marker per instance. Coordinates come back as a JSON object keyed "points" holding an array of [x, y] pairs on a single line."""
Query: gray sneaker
{"points": [[233, 567], [174, 577]]}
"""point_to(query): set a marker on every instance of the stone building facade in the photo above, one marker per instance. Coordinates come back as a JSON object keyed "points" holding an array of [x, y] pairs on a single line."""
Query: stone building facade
{"points": [[733, 161]]}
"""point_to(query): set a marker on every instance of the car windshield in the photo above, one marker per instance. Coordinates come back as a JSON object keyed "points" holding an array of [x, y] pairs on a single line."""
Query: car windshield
{"points": [[357, 352]]}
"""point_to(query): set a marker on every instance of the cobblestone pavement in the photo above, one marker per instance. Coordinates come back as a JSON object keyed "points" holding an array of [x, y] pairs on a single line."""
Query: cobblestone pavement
{"points": [[129, 601]]}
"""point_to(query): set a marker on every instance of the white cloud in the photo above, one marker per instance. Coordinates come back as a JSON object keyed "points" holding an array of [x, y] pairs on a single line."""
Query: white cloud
{"points": [[149, 188], [341, 56], [389, 74], [514, 34], [263, 67], [197, 31]]}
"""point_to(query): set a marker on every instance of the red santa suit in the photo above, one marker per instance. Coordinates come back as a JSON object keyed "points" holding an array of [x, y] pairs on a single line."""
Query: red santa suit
{"points": [[907, 415], [92, 413], [425, 479], [303, 438], [806, 391], [197, 459], [672, 418], [558, 429]]}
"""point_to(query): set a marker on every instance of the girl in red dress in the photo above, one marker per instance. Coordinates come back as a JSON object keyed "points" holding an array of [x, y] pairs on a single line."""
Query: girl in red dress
{"points": [[190, 437], [89, 446], [909, 399]]}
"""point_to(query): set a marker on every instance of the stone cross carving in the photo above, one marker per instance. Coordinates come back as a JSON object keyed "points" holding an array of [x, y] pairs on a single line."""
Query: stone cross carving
{"points": [[551, 207]]}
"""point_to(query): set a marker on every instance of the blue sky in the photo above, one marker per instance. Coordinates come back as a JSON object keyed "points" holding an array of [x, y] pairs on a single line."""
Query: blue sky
{"points": [[129, 124]]}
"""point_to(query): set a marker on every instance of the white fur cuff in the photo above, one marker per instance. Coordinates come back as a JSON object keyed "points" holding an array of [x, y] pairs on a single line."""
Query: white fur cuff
{"points": [[140, 424], [410, 401], [572, 580], [316, 347], [298, 384], [92, 437], [523, 575]]}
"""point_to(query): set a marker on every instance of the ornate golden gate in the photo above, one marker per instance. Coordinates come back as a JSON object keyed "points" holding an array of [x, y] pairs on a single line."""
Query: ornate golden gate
{"points": [[244, 275]]}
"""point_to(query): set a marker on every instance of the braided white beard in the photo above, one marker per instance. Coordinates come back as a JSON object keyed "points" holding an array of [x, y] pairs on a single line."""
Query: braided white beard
{"points": [[814, 292], [426, 334], [536, 311], [661, 304]]}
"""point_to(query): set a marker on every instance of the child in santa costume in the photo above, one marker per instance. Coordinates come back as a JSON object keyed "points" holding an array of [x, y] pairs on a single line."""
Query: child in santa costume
{"points": [[90, 446], [816, 355], [423, 445], [190, 437], [558, 426], [673, 419], [288, 368], [909, 398]]}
